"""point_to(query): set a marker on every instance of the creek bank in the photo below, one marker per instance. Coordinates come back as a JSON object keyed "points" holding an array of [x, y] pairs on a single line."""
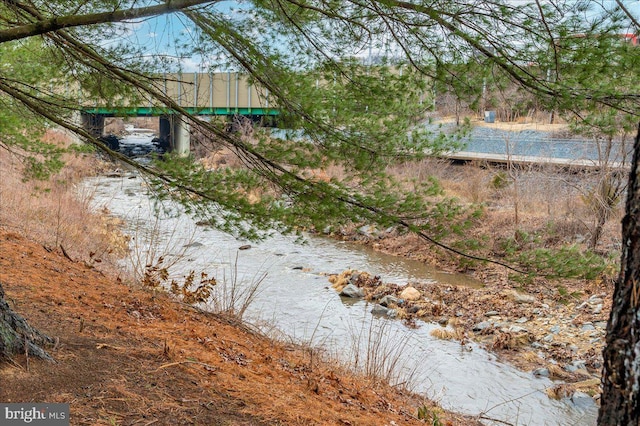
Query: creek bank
{"points": [[532, 329], [554, 326], [127, 355], [298, 301]]}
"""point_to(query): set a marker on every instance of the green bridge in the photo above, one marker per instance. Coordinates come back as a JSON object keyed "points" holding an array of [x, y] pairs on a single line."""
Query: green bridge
{"points": [[201, 94], [158, 111]]}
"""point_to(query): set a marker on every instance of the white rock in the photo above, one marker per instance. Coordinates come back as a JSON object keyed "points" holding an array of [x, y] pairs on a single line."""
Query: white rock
{"points": [[523, 298], [410, 293]]}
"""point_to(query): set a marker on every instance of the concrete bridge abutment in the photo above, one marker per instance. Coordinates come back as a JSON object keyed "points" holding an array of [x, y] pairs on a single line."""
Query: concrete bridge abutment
{"points": [[176, 131]]}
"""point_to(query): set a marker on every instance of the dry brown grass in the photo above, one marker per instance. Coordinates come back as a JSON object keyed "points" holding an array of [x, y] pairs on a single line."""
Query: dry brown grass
{"points": [[221, 158], [56, 213], [448, 333], [508, 340], [545, 200], [566, 390], [558, 373]]}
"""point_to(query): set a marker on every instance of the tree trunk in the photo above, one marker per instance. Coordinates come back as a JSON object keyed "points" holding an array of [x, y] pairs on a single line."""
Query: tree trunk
{"points": [[620, 404], [16, 334]]}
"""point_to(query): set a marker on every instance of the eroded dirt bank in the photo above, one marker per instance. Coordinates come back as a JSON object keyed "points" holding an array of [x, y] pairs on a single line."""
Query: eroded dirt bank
{"points": [[131, 356]]}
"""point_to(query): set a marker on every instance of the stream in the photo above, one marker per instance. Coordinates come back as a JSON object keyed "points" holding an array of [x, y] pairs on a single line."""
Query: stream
{"points": [[295, 299]]}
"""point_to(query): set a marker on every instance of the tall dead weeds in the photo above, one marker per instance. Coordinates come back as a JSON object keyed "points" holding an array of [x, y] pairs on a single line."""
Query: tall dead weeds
{"points": [[56, 212]]}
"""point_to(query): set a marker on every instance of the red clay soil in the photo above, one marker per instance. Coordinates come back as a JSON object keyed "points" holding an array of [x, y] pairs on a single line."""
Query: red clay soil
{"points": [[131, 356]]}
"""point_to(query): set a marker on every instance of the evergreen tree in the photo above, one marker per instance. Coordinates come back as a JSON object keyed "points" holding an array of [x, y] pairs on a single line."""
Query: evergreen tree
{"points": [[312, 56]]}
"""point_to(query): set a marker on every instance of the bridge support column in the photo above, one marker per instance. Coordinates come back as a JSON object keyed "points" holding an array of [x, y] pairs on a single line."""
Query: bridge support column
{"points": [[164, 123], [93, 123], [175, 132], [181, 140]]}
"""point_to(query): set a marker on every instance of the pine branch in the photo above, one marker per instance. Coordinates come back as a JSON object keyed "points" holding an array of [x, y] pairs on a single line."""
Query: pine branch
{"points": [[45, 25]]}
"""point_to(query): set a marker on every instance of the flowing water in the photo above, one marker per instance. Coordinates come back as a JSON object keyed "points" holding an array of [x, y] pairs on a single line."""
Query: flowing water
{"points": [[296, 298]]}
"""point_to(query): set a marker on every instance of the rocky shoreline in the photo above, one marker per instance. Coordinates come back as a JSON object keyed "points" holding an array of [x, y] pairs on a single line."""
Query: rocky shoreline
{"points": [[536, 329]]}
